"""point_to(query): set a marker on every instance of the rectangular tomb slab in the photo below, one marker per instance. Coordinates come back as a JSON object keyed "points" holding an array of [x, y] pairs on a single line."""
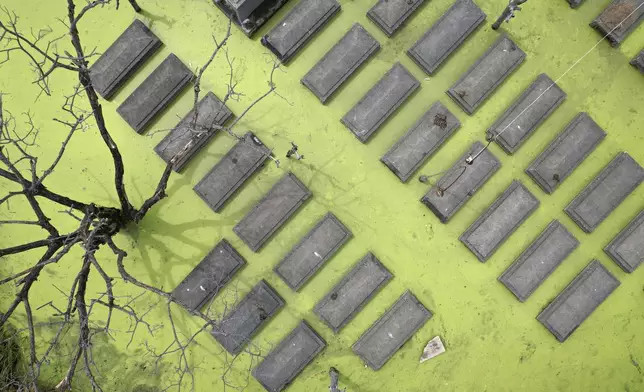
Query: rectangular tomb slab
{"points": [[461, 182], [230, 173], [525, 115], [209, 276], [446, 35], [421, 141], [489, 71], [375, 107], [282, 365], [304, 21], [578, 300], [499, 221], [615, 23], [638, 61], [249, 15], [312, 252], [607, 191], [390, 15], [130, 50], [155, 93], [248, 317], [539, 260], [210, 111], [567, 151], [281, 201], [627, 248], [387, 335], [353, 292], [342, 60]]}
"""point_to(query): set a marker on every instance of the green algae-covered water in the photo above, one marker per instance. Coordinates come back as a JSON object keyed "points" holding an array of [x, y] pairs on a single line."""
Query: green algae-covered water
{"points": [[494, 343]]}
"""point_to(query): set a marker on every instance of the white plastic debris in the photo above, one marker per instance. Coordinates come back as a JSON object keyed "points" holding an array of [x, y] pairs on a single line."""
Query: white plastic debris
{"points": [[434, 348]]}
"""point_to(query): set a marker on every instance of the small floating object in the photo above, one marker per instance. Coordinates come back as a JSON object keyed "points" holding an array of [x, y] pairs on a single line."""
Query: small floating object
{"points": [[434, 348]]}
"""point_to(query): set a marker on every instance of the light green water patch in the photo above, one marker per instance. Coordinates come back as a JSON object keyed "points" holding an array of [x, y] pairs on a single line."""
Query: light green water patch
{"points": [[493, 342]]}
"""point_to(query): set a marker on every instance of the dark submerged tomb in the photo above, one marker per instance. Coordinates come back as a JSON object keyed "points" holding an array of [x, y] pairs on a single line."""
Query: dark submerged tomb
{"points": [[353, 292], [230, 173], [619, 19], [155, 93], [607, 191], [499, 221], [539, 260], [627, 248], [567, 151], [281, 201], [312, 252], [342, 60], [209, 276], [525, 115], [249, 15], [380, 102], [575, 3], [461, 182], [390, 15], [282, 365], [130, 50], [387, 335], [638, 61], [487, 73], [578, 300], [446, 35], [421, 141], [211, 112], [305, 20]]}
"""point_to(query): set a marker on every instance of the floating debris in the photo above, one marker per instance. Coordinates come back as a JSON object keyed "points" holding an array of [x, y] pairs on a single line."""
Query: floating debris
{"points": [[434, 348]]}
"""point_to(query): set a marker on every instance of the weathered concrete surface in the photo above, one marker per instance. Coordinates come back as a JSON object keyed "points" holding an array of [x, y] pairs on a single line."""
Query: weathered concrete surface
{"points": [[619, 19], [575, 3], [638, 61], [499, 221], [281, 201], [421, 141], [353, 292], [342, 60], [130, 50], [380, 102], [210, 111], [578, 300], [209, 276], [282, 365], [487, 73], [304, 21], [243, 8], [390, 15], [525, 115], [607, 191], [155, 93], [312, 252], [387, 335], [567, 151], [461, 182], [539, 260], [254, 311], [627, 248], [446, 35], [249, 23], [232, 171]]}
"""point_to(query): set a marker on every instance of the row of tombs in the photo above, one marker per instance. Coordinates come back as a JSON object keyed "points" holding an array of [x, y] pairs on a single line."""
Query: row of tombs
{"points": [[450, 193]]}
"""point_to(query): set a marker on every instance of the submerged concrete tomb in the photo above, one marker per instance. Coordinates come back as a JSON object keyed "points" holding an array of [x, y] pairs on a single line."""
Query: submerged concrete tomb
{"points": [[607, 191], [312, 252], [539, 260], [390, 15], [627, 248], [638, 61], [578, 300], [567, 151], [282, 365], [342, 60], [130, 50], [380, 102], [619, 19], [391, 331], [353, 292], [446, 35], [249, 15]]}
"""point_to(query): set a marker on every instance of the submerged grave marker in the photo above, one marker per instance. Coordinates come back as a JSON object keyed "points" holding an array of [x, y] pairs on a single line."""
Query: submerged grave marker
{"points": [[627, 248], [578, 300], [390, 15], [380, 102], [607, 191], [619, 19], [130, 50], [638, 62], [249, 15]]}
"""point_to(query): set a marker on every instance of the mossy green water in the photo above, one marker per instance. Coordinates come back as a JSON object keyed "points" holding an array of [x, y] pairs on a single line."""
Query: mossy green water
{"points": [[493, 342]]}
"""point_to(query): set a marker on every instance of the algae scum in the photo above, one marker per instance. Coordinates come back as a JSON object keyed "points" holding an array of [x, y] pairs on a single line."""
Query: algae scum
{"points": [[494, 342]]}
